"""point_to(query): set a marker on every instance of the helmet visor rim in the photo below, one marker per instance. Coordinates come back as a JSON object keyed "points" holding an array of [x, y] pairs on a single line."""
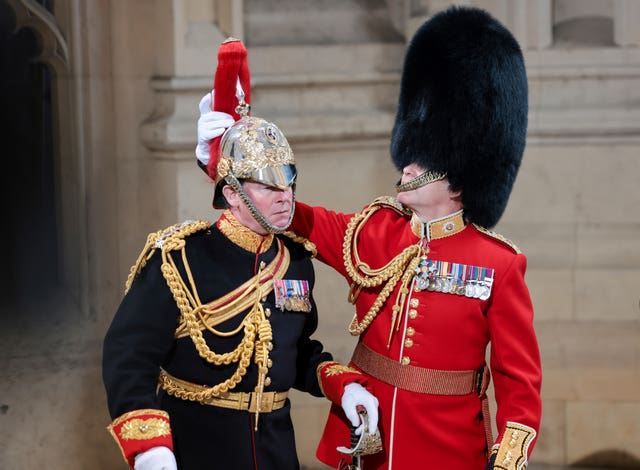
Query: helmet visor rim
{"points": [[281, 177]]}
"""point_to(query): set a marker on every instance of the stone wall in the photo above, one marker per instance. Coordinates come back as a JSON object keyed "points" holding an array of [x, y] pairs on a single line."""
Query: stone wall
{"points": [[130, 84]]}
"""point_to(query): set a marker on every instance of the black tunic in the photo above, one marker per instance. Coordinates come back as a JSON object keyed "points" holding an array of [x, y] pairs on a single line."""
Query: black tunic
{"points": [[141, 339]]}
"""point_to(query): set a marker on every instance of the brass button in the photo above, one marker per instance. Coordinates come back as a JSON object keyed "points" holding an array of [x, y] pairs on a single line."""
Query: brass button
{"points": [[414, 303], [411, 331], [267, 312], [270, 346], [413, 314], [408, 343], [267, 381], [269, 363], [405, 361]]}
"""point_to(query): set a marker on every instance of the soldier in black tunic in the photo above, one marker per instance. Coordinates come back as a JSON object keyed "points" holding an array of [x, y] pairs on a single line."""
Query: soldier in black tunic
{"points": [[220, 315], [143, 340], [216, 323]]}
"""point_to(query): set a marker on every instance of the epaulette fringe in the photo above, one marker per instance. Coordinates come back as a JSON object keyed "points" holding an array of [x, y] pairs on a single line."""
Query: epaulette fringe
{"points": [[392, 203], [500, 238], [160, 240]]}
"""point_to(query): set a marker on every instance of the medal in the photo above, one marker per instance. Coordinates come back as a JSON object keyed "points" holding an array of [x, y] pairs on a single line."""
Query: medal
{"points": [[484, 294], [468, 289], [447, 285], [454, 278], [424, 274], [477, 290], [487, 282], [292, 295], [422, 283]]}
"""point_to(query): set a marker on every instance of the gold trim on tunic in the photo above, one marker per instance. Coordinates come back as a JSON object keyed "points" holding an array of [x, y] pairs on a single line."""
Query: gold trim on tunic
{"points": [[513, 450], [438, 228], [242, 236], [241, 298]]}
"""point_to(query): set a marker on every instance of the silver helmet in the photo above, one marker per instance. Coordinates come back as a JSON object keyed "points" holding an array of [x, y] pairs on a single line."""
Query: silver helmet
{"points": [[256, 150]]}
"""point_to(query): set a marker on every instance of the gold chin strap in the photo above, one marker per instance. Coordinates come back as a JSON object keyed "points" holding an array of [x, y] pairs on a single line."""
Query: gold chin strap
{"points": [[422, 180], [255, 213]]}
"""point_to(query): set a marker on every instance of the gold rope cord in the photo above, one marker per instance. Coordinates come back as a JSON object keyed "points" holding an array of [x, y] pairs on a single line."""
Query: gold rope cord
{"points": [[308, 244], [144, 256], [194, 316], [401, 266], [241, 298]]}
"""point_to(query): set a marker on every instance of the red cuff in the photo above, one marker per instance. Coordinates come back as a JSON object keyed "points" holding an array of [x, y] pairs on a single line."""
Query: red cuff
{"points": [[140, 430], [333, 376]]}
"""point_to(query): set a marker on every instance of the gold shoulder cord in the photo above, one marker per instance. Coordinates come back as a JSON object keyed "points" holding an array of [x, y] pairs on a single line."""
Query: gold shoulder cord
{"points": [[196, 317], [401, 267], [308, 244], [145, 255]]}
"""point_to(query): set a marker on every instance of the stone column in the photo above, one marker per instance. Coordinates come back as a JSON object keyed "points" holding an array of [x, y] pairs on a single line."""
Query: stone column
{"points": [[188, 35]]}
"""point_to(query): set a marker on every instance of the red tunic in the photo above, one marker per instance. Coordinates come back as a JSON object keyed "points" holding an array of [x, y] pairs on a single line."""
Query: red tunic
{"points": [[441, 331]]}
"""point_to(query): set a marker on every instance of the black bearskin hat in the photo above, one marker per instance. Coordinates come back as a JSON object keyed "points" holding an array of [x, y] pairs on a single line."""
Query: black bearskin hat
{"points": [[463, 108]]}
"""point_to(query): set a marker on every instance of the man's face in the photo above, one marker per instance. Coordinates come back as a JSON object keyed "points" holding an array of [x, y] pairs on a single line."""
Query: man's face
{"points": [[273, 203], [426, 197]]}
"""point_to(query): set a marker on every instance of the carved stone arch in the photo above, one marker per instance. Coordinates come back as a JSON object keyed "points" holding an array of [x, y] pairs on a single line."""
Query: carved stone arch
{"points": [[55, 54], [30, 14]]}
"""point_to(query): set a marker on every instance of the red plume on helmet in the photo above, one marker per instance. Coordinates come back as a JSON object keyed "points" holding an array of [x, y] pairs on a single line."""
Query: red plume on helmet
{"points": [[232, 66]]}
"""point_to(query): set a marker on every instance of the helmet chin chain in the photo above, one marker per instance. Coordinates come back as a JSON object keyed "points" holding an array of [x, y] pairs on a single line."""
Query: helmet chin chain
{"points": [[255, 213], [422, 180]]}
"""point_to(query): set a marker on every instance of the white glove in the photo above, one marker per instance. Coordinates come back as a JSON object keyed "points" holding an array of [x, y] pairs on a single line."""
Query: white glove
{"points": [[211, 124], [156, 458], [354, 395]]}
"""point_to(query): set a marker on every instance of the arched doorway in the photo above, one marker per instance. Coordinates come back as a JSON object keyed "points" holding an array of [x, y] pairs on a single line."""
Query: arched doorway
{"points": [[27, 180]]}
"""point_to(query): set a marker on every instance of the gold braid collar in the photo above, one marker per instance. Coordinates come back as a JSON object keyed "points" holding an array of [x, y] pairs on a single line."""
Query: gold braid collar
{"points": [[242, 236]]}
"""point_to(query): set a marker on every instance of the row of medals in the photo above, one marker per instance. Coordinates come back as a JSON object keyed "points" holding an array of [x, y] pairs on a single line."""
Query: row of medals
{"points": [[427, 279], [297, 304]]}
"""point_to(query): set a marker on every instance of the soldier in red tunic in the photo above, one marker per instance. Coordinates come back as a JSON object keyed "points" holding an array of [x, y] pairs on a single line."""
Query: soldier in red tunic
{"points": [[432, 286]]}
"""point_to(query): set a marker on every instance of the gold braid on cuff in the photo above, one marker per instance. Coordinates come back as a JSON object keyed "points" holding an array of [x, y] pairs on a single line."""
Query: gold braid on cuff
{"points": [[422, 180]]}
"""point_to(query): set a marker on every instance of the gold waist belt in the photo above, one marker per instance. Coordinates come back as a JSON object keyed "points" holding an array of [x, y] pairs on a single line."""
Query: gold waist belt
{"points": [[242, 401], [415, 379]]}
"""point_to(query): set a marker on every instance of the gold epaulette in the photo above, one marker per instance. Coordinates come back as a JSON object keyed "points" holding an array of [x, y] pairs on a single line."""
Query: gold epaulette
{"points": [[500, 238], [159, 240], [180, 231], [392, 203], [305, 242]]}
